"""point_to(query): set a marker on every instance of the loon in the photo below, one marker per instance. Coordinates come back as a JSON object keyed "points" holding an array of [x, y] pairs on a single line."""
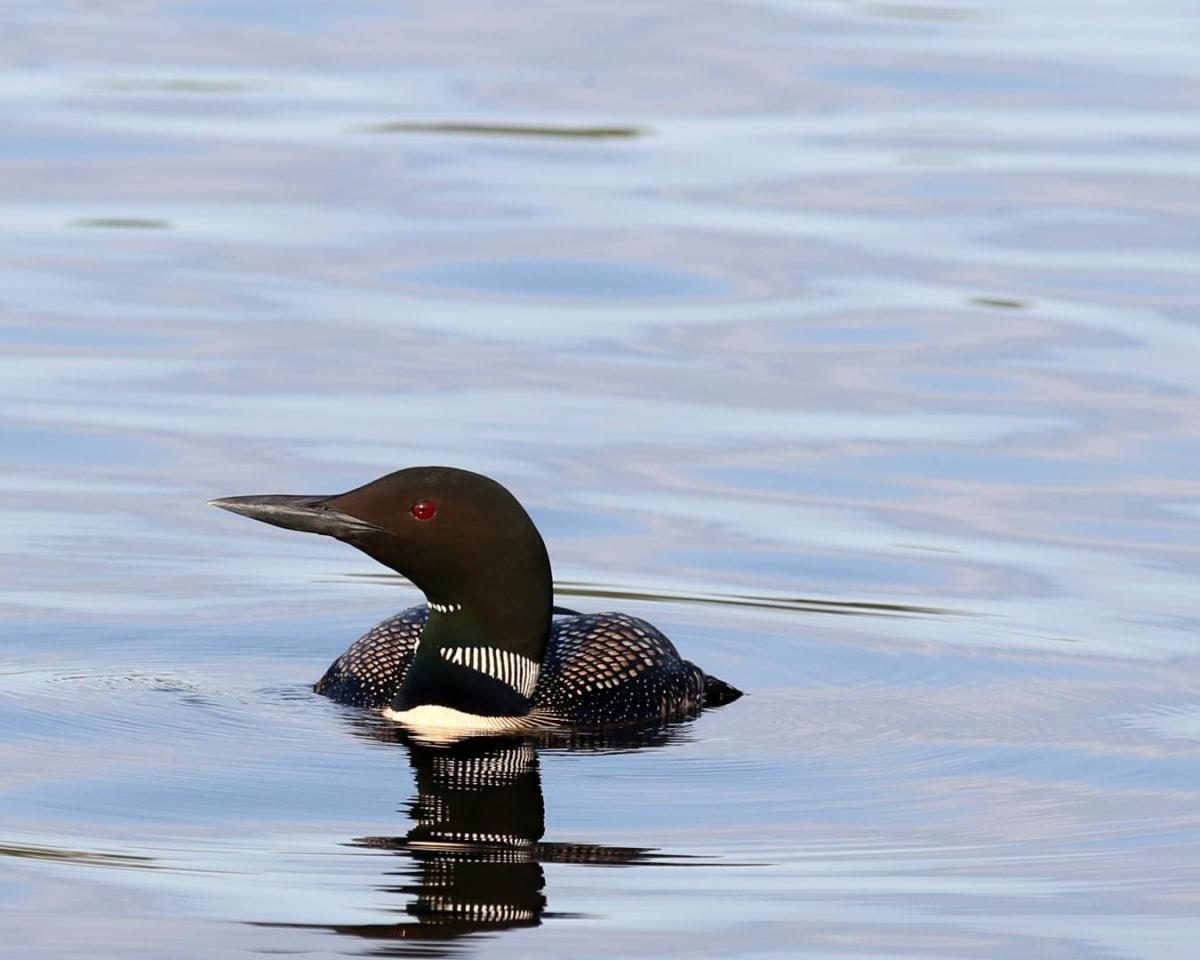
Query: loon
{"points": [[486, 653]]}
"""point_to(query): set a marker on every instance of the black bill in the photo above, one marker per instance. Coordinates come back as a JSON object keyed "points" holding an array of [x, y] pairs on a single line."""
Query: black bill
{"points": [[309, 514]]}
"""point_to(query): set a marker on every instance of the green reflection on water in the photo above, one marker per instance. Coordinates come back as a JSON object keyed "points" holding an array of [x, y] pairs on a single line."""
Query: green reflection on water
{"points": [[121, 223], [508, 130], [175, 85], [89, 857], [1001, 303], [851, 608]]}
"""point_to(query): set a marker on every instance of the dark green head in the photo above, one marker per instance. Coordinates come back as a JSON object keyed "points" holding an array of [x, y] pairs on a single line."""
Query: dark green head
{"points": [[461, 537]]}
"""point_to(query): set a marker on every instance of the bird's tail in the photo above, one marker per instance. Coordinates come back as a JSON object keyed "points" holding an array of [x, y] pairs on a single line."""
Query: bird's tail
{"points": [[718, 692]]}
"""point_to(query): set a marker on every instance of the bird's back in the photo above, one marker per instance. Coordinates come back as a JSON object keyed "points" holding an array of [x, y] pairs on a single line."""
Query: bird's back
{"points": [[600, 669]]}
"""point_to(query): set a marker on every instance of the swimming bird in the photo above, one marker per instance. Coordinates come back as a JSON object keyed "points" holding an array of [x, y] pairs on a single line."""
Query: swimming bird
{"points": [[486, 652]]}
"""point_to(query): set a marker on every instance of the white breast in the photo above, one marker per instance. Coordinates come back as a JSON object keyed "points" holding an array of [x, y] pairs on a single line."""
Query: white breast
{"points": [[435, 718]]}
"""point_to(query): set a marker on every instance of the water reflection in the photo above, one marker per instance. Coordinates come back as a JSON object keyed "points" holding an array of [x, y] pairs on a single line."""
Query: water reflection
{"points": [[121, 223], [881, 301], [508, 130], [472, 860], [605, 591], [89, 857]]}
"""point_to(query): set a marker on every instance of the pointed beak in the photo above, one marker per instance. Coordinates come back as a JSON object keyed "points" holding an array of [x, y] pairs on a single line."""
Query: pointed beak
{"points": [[309, 514]]}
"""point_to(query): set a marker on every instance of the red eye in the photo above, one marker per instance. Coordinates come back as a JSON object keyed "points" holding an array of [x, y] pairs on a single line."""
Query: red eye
{"points": [[423, 509]]}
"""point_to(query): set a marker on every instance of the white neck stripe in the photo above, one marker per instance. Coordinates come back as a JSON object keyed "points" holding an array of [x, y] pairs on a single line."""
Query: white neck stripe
{"points": [[519, 672]]}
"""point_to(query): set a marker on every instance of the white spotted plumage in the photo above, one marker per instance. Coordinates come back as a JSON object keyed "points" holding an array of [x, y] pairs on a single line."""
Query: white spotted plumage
{"points": [[598, 670]]}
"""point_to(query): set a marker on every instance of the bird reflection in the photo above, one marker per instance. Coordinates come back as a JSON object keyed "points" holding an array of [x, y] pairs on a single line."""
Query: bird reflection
{"points": [[478, 815], [475, 851]]}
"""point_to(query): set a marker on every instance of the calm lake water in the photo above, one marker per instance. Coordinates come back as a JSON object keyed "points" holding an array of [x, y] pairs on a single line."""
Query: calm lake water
{"points": [[853, 344]]}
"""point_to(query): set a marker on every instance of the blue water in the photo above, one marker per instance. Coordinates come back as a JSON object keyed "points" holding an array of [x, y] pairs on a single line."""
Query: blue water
{"points": [[852, 344]]}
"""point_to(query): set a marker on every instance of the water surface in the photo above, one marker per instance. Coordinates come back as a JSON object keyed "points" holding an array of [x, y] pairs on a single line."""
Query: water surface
{"points": [[853, 344]]}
